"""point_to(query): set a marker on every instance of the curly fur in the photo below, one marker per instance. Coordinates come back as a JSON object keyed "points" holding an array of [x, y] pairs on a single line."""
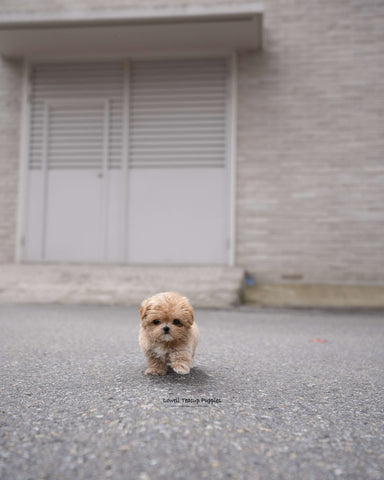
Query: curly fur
{"points": [[175, 347]]}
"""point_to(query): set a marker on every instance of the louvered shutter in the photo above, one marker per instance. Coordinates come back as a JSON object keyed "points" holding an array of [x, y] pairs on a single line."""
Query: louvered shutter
{"points": [[76, 114], [178, 113], [178, 191], [122, 151], [75, 162]]}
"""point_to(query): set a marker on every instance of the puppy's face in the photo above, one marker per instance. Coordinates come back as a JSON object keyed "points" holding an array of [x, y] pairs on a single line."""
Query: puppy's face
{"points": [[166, 318]]}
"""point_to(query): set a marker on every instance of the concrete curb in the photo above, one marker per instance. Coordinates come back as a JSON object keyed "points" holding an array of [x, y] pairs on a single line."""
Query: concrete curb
{"points": [[322, 296], [206, 287]]}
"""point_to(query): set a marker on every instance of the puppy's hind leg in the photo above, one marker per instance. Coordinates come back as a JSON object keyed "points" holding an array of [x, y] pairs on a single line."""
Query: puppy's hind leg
{"points": [[156, 366]]}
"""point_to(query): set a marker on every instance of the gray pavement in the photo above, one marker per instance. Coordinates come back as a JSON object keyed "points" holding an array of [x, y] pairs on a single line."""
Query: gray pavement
{"points": [[266, 401]]}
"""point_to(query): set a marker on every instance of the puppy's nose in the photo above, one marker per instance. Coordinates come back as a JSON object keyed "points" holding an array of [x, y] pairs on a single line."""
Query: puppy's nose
{"points": [[166, 329]]}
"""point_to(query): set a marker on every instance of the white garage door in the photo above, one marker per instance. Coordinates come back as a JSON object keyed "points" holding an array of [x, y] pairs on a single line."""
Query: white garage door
{"points": [[128, 162]]}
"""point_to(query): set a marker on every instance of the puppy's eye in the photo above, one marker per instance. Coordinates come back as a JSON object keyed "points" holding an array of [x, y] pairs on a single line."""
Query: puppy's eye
{"points": [[156, 322], [176, 321]]}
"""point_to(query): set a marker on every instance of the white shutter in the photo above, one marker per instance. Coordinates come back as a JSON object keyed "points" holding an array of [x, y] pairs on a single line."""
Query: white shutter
{"points": [[74, 207], [165, 120], [178, 113], [76, 110]]}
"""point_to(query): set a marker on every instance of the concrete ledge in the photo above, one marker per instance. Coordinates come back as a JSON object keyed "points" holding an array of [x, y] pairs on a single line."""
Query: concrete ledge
{"points": [[210, 287], [327, 296]]}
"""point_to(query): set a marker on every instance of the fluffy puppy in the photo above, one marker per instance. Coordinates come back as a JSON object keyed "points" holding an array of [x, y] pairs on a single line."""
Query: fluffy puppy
{"points": [[168, 333]]}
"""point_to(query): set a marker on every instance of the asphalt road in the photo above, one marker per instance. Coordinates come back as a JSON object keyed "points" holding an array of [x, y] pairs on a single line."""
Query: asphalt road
{"points": [[273, 395]]}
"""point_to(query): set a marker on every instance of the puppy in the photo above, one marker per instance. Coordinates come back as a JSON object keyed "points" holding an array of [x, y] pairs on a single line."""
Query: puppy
{"points": [[168, 333]]}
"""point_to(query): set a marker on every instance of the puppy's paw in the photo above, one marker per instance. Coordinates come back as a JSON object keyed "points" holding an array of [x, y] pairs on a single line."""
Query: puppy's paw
{"points": [[181, 368], [154, 371]]}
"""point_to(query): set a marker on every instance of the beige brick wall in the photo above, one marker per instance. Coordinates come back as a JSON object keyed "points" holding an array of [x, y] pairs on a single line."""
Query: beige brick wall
{"points": [[10, 104], [311, 144], [310, 140], [54, 6]]}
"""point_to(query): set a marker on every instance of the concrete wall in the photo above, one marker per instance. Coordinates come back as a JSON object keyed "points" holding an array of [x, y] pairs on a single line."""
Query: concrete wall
{"points": [[310, 140], [10, 108], [311, 145]]}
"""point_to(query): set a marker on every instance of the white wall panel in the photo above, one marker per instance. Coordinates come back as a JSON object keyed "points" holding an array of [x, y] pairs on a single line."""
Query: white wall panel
{"points": [[34, 215], [177, 216], [115, 216], [74, 227]]}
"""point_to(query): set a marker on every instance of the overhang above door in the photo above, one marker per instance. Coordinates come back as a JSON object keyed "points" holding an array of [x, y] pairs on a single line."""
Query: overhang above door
{"points": [[166, 30]]}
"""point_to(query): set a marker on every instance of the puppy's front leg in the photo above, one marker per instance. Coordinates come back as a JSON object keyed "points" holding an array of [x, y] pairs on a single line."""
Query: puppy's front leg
{"points": [[181, 362], [156, 366]]}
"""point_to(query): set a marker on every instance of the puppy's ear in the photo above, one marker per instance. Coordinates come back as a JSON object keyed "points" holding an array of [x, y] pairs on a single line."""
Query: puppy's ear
{"points": [[144, 308], [190, 311]]}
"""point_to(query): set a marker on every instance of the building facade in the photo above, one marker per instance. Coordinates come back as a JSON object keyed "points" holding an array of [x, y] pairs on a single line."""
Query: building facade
{"points": [[265, 153]]}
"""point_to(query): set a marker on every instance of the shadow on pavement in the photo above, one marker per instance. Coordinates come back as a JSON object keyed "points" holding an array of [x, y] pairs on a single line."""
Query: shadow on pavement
{"points": [[197, 376]]}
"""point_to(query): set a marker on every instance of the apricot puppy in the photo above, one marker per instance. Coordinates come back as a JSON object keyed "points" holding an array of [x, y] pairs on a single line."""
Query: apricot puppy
{"points": [[168, 334]]}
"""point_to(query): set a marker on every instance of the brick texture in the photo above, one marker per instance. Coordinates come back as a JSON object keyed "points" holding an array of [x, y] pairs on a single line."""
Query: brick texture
{"points": [[310, 166], [10, 105], [310, 201]]}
